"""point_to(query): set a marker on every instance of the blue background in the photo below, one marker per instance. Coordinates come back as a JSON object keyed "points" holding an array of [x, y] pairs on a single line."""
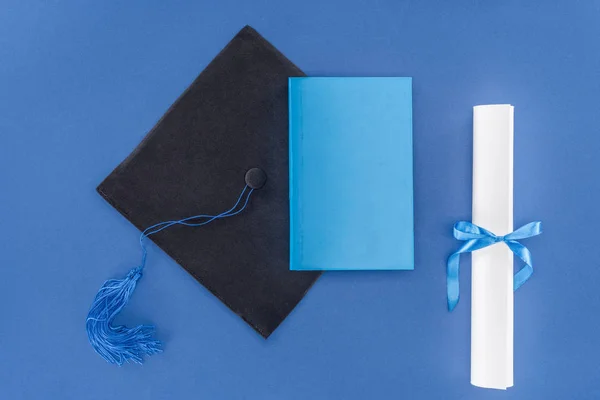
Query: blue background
{"points": [[82, 82]]}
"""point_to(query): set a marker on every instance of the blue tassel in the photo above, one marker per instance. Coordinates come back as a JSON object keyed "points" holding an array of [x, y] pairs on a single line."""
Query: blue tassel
{"points": [[118, 344]]}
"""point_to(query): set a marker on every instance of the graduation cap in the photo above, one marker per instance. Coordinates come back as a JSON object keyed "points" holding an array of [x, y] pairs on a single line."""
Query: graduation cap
{"points": [[224, 139]]}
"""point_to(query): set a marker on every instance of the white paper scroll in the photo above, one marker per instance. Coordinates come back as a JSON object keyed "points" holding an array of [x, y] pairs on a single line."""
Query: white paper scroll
{"points": [[492, 267]]}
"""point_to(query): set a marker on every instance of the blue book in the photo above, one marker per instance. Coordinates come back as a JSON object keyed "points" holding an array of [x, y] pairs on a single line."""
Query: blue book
{"points": [[351, 174]]}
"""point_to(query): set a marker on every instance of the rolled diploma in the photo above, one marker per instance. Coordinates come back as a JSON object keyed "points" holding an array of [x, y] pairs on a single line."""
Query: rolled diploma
{"points": [[492, 267]]}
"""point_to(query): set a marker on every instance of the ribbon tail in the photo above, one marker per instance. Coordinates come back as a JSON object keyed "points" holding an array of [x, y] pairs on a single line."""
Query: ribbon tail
{"points": [[452, 285], [452, 282], [524, 254], [522, 276]]}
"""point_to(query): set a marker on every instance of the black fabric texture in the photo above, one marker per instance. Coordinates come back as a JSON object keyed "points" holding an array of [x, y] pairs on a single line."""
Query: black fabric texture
{"points": [[232, 118]]}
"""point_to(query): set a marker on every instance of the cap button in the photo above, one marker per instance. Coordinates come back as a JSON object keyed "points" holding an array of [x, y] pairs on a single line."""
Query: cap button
{"points": [[256, 178]]}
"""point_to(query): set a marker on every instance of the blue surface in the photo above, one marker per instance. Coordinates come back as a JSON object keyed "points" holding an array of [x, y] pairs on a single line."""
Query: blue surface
{"points": [[351, 173], [82, 82]]}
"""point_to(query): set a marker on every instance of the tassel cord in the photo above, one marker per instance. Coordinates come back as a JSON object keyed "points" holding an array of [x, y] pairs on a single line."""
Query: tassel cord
{"points": [[167, 224]]}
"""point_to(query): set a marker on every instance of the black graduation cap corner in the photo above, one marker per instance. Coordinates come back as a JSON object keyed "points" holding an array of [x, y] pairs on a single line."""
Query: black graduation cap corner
{"points": [[227, 132]]}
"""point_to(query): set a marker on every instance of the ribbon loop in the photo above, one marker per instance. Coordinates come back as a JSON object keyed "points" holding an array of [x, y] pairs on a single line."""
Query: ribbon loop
{"points": [[477, 238]]}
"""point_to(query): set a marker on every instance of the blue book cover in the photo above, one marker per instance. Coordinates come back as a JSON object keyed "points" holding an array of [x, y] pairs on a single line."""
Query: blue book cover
{"points": [[351, 174]]}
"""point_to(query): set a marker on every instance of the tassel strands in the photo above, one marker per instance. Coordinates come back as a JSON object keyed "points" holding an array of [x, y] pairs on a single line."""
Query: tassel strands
{"points": [[120, 344]]}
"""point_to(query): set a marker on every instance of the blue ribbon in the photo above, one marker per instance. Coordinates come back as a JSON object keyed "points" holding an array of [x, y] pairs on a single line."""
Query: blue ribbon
{"points": [[478, 238]]}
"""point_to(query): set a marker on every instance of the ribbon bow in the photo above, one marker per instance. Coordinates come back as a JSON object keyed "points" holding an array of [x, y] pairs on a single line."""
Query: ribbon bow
{"points": [[478, 238]]}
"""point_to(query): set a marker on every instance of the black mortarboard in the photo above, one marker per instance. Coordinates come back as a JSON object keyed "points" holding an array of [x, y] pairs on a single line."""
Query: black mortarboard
{"points": [[228, 129]]}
